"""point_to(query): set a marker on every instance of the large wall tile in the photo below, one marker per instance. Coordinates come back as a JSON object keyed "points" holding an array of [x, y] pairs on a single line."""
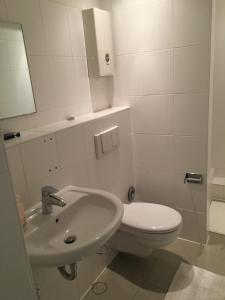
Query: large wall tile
{"points": [[90, 129], [35, 186], [3, 165], [40, 77], [192, 21], [63, 81], [190, 154], [138, 114], [17, 175], [40, 158], [56, 27], [154, 152], [159, 112], [152, 114], [218, 157], [13, 124], [194, 226], [70, 144], [191, 69], [82, 88], [27, 12], [155, 187], [188, 196], [191, 114], [135, 71], [59, 287], [149, 27], [76, 31], [3, 12]]}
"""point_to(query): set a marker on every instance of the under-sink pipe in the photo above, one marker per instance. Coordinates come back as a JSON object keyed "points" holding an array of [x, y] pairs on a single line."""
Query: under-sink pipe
{"points": [[66, 275]]}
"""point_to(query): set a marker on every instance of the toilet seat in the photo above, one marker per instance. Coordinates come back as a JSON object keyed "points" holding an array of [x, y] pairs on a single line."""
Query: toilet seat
{"points": [[150, 218]]}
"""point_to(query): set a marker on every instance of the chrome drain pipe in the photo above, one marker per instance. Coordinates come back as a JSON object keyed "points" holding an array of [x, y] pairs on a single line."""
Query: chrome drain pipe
{"points": [[69, 275]]}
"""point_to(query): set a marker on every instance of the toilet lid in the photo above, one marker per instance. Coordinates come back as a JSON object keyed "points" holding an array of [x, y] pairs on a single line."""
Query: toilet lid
{"points": [[150, 218]]}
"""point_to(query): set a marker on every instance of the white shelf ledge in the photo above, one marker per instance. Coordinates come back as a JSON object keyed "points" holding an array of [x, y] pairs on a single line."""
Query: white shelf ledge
{"points": [[51, 128]]}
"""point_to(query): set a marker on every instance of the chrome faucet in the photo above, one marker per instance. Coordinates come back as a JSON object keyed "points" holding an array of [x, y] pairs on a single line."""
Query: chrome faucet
{"points": [[49, 198]]}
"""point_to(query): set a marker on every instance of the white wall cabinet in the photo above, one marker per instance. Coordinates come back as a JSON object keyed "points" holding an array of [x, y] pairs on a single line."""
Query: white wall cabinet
{"points": [[98, 39]]}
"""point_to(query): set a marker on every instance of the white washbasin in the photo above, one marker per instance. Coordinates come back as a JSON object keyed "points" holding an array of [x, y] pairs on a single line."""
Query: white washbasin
{"points": [[90, 218]]}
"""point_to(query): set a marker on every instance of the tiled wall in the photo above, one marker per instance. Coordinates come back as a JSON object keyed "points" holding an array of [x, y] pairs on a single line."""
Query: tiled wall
{"points": [[67, 157], [12, 245], [163, 58], [218, 122], [54, 38]]}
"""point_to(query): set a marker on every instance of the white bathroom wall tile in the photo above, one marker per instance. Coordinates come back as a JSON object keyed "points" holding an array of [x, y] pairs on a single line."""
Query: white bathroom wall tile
{"points": [[75, 174], [17, 174], [91, 267], [126, 178], [120, 119], [135, 71], [3, 11], [149, 27], [4, 61], [194, 226], [154, 152], [82, 97], [40, 157], [218, 192], [3, 165], [35, 185], [152, 114], [190, 196], [53, 286], [70, 144], [138, 114], [90, 129], [76, 31], [159, 112], [192, 21], [63, 80], [40, 77], [191, 69], [102, 92], [56, 27], [43, 118], [13, 124], [155, 187], [27, 12], [191, 114], [218, 144], [104, 173], [190, 154], [123, 4]]}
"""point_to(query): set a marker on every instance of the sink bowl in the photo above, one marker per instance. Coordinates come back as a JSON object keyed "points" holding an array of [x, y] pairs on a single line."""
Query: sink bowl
{"points": [[75, 231]]}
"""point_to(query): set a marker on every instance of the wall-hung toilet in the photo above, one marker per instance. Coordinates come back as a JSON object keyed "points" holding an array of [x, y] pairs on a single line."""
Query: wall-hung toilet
{"points": [[146, 226]]}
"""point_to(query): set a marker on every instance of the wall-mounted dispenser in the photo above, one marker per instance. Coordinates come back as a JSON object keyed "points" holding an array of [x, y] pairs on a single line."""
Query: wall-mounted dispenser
{"points": [[98, 39]]}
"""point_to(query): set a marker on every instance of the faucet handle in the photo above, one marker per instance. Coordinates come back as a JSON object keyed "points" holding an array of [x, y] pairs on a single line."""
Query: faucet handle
{"points": [[47, 190]]}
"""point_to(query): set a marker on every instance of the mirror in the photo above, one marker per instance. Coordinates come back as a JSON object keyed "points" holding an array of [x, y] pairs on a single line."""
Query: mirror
{"points": [[16, 95]]}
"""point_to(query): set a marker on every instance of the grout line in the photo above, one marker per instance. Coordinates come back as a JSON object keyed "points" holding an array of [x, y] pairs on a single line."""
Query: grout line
{"points": [[162, 49]]}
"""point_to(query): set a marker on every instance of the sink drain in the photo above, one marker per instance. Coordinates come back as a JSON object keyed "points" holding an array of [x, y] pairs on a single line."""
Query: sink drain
{"points": [[70, 239]]}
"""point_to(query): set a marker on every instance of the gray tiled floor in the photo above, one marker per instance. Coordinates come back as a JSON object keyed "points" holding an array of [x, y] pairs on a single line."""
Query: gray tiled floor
{"points": [[133, 278]]}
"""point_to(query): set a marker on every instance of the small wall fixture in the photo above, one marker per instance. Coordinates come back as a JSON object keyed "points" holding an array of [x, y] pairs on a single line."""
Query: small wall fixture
{"points": [[193, 178]]}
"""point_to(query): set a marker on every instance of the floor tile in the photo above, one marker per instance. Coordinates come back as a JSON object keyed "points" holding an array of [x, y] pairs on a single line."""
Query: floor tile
{"points": [[189, 251], [134, 269], [133, 278], [111, 286], [151, 294], [163, 269]]}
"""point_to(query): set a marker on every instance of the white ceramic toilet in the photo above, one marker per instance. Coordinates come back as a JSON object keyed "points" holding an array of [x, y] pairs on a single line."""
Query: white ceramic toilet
{"points": [[146, 226]]}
